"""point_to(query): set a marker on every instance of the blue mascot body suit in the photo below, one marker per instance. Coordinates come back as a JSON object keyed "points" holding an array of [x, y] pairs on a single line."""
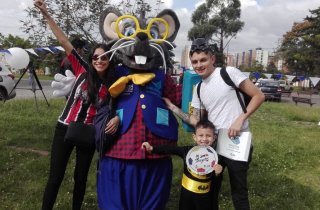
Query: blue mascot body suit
{"points": [[129, 178]]}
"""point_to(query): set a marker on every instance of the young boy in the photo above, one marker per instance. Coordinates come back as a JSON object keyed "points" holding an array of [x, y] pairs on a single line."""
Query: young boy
{"points": [[191, 197]]}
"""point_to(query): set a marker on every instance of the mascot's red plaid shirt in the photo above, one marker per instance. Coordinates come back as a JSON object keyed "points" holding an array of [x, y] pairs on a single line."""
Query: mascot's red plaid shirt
{"points": [[129, 145]]}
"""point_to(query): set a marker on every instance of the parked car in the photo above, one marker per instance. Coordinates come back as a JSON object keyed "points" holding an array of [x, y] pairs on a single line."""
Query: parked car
{"points": [[285, 85], [6, 83], [270, 88]]}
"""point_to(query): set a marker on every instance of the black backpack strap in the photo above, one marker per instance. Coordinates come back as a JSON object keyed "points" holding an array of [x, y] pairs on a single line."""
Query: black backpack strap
{"points": [[198, 90], [198, 93], [226, 78]]}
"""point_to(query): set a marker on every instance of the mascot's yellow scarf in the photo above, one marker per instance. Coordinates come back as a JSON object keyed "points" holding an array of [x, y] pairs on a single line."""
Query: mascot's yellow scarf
{"points": [[138, 79]]}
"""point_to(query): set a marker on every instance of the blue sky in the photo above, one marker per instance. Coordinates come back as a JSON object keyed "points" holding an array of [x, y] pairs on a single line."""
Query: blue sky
{"points": [[189, 4], [265, 20]]}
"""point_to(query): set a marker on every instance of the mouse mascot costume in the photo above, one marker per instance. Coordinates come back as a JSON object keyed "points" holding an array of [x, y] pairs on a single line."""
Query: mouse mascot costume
{"points": [[129, 178]]}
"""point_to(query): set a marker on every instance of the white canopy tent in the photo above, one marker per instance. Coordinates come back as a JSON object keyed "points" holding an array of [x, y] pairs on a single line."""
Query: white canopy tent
{"points": [[314, 80], [268, 75], [290, 77]]}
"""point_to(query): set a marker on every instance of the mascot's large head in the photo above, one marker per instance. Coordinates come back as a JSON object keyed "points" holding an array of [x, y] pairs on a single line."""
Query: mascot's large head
{"points": [[142, 44]]}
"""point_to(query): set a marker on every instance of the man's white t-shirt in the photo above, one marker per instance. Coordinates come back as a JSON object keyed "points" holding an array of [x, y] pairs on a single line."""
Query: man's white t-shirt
{"points": [[219, 99]]}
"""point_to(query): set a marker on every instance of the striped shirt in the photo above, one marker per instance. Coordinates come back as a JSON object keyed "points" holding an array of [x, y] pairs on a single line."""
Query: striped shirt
{"points": [[77, 109]]}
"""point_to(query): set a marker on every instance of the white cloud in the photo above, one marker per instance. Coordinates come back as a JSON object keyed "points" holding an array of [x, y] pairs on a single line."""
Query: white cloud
{"points": [[248, 3], [199, 2], [168, 3], [11, 12], [182, 38], [23, 6], [266, 22]]}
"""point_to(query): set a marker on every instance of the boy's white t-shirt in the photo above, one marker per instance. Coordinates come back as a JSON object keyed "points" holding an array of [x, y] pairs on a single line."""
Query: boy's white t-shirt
{"points": [[219, 99]]}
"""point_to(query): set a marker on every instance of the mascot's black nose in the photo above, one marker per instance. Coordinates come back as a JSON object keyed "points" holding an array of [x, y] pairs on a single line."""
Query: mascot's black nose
{"points": [[141, 45], [142, 36]]}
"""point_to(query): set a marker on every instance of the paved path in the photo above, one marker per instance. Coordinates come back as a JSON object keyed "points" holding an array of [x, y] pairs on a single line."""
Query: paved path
{"points": [[314, 98], [24, 91]]}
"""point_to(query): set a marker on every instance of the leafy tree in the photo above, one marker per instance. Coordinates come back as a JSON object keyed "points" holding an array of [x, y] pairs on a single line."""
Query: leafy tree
{"points": [[76, 18], [218, 21], [271, 68], [255, 67], [14, 41], [140, 7], [300, 47], [80, 17], [312, 40], [10, 41]]}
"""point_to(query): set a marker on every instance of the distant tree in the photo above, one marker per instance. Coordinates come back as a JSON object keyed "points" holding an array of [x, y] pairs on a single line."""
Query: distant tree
{"points": [[14, 41], [255, 67], [241, 67], [80, 17], [140, 7], [312, 39], [76, 18], [45, 59], [300, 47], [271, 68], [218, 21]]}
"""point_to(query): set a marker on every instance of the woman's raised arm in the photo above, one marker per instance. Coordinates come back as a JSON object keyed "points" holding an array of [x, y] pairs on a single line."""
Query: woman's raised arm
{"points": [[59, 34]]}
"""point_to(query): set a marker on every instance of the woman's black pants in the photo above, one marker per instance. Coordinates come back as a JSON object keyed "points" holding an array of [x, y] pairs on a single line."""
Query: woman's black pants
{"points": [[60, 154]]}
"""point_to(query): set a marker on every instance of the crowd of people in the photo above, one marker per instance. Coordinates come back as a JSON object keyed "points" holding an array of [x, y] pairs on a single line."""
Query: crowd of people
{"points": [[218, 102]]}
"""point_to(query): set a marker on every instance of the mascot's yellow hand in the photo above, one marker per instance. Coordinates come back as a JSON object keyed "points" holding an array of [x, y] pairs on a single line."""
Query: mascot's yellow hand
{"points": [[138, 79]]}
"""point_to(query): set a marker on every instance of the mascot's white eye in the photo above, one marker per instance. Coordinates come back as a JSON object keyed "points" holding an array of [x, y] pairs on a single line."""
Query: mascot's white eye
{"points": [[154, 32], [129, 31]]}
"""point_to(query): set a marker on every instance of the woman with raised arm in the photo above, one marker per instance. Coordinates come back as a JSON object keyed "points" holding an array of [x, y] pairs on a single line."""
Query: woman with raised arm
{"points": [[89, 92]]}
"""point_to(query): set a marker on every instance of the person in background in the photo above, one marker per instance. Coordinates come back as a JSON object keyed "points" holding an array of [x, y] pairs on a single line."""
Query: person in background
{"points": [[196, 190], [31, 72], [79, 46], [220, 103], [90, 90]]}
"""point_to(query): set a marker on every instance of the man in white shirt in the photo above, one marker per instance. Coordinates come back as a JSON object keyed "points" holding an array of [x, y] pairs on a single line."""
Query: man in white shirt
{"points": [[220, 103]]}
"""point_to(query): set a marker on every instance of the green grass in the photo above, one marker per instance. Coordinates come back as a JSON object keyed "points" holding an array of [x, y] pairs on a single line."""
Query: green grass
{"points": [[284, 172]]}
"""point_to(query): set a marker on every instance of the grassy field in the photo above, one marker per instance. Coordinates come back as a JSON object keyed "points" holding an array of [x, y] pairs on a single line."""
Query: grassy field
{"points": [[284, 172]]}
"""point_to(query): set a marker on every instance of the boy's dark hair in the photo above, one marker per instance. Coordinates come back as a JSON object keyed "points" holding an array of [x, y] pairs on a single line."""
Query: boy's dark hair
{"points": [[78, 43], [204, 124]]}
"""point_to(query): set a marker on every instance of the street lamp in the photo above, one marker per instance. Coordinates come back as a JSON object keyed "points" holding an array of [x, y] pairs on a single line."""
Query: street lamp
{"points": [[296, 69], [295, 66]]}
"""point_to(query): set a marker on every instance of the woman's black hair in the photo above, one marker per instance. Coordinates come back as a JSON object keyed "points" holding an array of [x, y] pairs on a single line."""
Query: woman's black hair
{"points": [[94, 81]]}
